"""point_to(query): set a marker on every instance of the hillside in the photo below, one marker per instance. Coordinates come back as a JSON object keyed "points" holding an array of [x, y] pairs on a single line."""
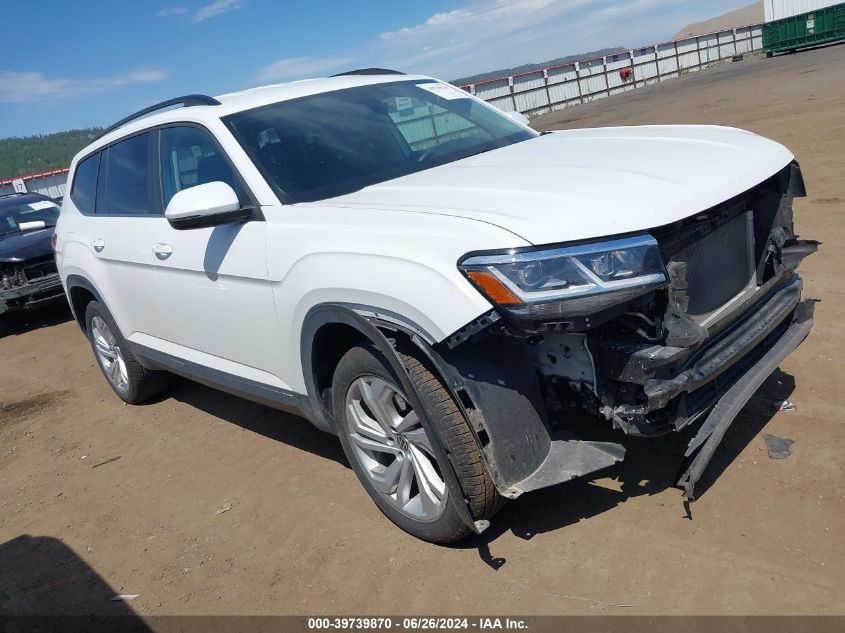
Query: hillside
{"points": [[750, 14], [30, 154], [506, 72]]}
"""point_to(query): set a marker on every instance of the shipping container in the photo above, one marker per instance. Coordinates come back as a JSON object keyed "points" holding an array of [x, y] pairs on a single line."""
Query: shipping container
{"points": [[779, 9], [812, 28]]}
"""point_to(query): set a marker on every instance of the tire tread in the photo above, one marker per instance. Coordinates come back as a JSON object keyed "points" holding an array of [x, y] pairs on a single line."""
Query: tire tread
{"points": [[484, 500], [143, 383]]}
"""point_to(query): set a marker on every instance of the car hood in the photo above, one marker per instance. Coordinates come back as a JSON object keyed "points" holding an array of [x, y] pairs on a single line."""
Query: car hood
{"points": [[589, 183], [18, 247]]}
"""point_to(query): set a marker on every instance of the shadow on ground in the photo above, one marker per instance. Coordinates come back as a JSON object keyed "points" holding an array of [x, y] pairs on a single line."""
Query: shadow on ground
{"points": [[276, 425], [43, 581], [650, 465], [17, 323]]}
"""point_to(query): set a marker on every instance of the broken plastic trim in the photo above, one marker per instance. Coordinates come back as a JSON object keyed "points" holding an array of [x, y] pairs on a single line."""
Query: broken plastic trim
{"points": [[472, 328], [712, 431]]}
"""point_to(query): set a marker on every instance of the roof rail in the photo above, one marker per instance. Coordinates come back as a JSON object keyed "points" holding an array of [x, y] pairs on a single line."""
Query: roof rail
{"points": [[369, 71], [187, 100], [12, 194]]}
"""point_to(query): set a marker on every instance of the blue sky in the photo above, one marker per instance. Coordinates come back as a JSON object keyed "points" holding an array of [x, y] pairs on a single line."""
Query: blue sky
{"points": [[73, 64]]}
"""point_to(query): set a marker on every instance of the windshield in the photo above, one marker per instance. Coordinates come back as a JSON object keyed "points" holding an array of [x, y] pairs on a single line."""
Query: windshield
{"points": [[334, 143], [22, 212]]}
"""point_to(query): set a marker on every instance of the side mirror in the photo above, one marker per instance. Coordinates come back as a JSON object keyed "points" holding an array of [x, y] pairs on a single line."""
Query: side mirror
{"points": [[210, 204], [518, 117]]}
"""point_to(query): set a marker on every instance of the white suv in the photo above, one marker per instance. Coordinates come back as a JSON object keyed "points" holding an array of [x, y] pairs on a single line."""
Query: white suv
{"points": [[434, 282]]}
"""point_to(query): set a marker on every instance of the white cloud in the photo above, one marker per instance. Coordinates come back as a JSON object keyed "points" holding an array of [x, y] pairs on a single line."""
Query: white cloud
{"points": [[298, 67], [483, 35], [172, 11], [478, 36], [216, 8], [488, 17], [438, 20], [31, 87]]}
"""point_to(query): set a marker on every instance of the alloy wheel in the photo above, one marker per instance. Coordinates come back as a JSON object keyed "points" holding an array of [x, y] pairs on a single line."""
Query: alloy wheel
{"points": [[391, 445], [109, 354]]}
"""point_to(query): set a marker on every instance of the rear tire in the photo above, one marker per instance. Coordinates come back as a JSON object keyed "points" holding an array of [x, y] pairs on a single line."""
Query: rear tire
{"points": [[132, 382], [384, 470]]}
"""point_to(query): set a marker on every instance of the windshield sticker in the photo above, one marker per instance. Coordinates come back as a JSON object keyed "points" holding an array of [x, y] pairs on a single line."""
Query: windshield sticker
{"points": [[404, 104], [43, 204], [444, 91]]}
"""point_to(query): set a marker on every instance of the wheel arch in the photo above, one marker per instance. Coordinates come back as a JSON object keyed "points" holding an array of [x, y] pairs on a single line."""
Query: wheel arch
{"points": [[329, 330], [80, 293], [345, 326]]}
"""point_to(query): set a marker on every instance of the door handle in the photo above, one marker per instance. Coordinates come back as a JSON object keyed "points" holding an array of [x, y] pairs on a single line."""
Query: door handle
{"points": [[98, 245], [163, 251]]}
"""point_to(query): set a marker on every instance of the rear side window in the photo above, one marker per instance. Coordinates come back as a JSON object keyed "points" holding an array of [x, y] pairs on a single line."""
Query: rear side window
{"points": [[131, 185], [85, 183], [189, 157]]}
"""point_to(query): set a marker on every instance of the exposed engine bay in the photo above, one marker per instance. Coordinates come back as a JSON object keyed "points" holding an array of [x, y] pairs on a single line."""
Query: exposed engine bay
{"points": [[657, 364]]}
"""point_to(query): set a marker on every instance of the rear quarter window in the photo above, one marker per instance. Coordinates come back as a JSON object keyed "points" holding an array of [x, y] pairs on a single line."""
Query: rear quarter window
{"points": [[85, 184]]}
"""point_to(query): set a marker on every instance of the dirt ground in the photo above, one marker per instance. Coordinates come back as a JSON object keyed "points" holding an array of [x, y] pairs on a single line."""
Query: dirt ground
{"points": [[217, 505]]}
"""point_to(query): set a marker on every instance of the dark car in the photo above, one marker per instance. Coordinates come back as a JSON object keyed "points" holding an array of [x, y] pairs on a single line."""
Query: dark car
{"points": [[28, 276]]}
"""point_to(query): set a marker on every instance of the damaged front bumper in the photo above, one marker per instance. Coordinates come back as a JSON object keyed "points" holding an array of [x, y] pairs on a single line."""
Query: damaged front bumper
{"points": [[527, 442], [692, 351], [678, 384], [31, 294]]}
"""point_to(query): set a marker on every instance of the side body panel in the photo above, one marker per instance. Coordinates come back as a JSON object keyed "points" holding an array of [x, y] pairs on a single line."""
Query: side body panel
{"points": [[219, 302], [123, 270], [395, 264]]}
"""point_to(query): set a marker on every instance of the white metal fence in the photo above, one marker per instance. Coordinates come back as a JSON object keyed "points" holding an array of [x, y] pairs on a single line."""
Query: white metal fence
{"points": [[556, 87], [50, 183]]}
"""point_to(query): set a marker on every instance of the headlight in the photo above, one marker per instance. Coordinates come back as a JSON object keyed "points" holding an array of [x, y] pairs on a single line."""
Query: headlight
{"points": [[571, 281]]}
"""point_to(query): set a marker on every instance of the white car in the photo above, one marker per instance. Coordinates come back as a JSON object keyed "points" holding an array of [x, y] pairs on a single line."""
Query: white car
{"points": [[436, 283]]}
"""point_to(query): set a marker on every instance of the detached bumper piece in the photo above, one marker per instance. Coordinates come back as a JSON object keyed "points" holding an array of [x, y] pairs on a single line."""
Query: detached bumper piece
{"points": [[568, 458], [713, 429]]}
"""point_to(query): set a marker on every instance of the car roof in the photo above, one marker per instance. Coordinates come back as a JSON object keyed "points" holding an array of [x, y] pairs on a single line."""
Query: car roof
{"points": [[263, 95], [233, 102]]}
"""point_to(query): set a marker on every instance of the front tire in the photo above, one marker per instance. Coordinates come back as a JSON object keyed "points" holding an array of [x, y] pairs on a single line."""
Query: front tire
{"points": [[391, 454], [132, 382]]}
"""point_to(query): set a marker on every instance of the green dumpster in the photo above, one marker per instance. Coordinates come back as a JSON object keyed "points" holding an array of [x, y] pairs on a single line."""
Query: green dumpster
{"points": [[806, 29]]}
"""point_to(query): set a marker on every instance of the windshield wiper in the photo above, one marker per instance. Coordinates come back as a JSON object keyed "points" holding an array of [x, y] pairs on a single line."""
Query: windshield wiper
{"points": [[482, 151]]}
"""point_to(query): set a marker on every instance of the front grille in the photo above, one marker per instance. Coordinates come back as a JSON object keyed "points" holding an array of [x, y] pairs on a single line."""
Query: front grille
{"points": [[720, 266], [36, 269]]}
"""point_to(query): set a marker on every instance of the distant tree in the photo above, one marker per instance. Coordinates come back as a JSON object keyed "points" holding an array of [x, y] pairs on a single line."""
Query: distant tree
{"points": [[31, 154]]}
